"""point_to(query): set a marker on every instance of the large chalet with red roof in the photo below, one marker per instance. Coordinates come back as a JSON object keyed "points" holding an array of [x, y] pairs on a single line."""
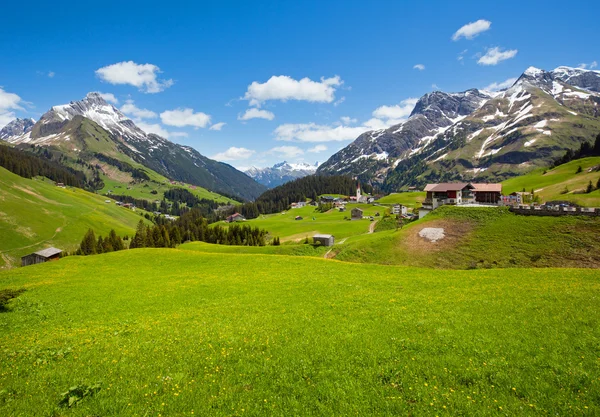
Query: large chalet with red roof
{"points": [[460, 193]]}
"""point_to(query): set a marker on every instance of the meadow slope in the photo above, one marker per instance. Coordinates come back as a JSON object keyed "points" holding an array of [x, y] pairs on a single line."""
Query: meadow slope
{"points": [[35, 214], [482, 238], [173, 332]]}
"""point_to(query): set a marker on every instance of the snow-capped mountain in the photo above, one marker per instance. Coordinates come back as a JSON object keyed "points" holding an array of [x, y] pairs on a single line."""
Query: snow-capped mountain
{"points": [[480, 135], [83, 128], [16, 128], [281, 173], [374, 153]]}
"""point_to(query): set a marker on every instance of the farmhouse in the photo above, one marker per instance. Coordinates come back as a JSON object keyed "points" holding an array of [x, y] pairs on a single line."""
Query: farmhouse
{"points": [[356, 214], [49, 254], [520, 197], [460, 193], [325, 240], [235, 217]]}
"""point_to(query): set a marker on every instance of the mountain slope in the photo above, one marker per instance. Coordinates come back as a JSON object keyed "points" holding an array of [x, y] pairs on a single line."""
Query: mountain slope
{"points": [[63, 127], [16, 128], [478, 135], [280, 173], [36, 214], [372, 154]]}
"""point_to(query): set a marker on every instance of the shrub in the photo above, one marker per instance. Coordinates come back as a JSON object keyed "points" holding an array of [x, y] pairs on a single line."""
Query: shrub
{"points": [[8, 294]]}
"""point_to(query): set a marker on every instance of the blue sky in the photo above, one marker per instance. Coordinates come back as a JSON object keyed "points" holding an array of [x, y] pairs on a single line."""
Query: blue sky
{"points": [[312, 75]]}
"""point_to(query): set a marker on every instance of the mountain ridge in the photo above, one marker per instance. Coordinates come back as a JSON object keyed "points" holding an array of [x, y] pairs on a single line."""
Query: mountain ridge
{"points": [[177, 162], [281, 173]]}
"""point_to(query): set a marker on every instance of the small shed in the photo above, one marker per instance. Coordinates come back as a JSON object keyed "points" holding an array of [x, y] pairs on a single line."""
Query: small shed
{"points": [[298, 218], [357, 213], [325, 240], [49, 254], [235, 217]]}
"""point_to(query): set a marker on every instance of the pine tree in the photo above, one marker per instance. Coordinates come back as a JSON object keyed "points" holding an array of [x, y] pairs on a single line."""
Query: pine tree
{"points": [[579, 169], [589, 188], [115, 241], [598, 184], [100, 245], [139, 240], [88, 244]]}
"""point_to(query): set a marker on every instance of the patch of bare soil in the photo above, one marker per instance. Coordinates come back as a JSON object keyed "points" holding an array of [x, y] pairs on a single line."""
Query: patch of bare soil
{"points": [[455, 232]]}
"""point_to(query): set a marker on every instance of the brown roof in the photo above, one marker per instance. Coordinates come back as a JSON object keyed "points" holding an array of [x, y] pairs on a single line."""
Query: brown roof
{"points": [[448, 186], [429, 187], [493, 188]]}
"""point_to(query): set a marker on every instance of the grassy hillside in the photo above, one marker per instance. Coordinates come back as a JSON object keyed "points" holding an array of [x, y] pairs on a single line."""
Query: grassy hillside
{"points": [[551, 184], [172, 332], [34, 214], [412, 199], [332, 222], [482, 238], [286, 249], [144, 189]]}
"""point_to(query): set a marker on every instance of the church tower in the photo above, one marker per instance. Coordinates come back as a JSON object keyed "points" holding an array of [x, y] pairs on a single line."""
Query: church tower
{"points": [[358, 193]]}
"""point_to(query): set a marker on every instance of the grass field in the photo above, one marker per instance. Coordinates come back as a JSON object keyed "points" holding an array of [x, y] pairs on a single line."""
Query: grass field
{"points": [[332, 222], [411, 199], [482, 238], [144, 190], [34, 214], [174, 332], [550, 185]]}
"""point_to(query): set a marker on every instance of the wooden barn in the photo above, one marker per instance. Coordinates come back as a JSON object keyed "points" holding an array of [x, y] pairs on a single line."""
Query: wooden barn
{"points": [[357, 213], [235, 217], [324, 240], [50, 254]]}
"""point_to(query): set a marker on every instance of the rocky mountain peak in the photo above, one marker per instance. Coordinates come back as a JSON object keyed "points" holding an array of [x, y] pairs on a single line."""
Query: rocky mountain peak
{"points": [[16, 128]]}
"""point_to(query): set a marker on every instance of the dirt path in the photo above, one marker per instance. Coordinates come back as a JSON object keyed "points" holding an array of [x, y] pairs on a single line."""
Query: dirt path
{"points": [[372, 227], [371, 230]]}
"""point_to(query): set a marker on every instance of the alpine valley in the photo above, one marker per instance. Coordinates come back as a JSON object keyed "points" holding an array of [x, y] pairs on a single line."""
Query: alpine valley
{"points": [[479, 135], [93, 136]]}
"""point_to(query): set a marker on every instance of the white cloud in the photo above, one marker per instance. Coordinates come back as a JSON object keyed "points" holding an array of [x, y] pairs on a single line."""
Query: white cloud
{"points": [[287, 151], [234, 154], [51, 74], [130, 108], [420, 67], [155, 128], [317, 149], [254, 113], [185, 117], [8, 102], [384, 117], [340, 101], [312, 132], [142, 76], [218, 126], [348, 120], [493, 56], [285, 88], [397, 112], [109, 97], [591, 65], [461, 56], [471, 30], [500, 86]]}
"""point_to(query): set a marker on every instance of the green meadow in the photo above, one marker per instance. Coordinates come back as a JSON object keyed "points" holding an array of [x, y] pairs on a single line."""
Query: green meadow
{"points": [[35, 214], [561, 183], [332, 222], [482, 238], [408, 199], [169, 332]]}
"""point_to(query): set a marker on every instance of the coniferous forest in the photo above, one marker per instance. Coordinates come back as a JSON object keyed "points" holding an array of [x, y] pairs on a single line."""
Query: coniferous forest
{"points": [[280, 198], [28, 165]]}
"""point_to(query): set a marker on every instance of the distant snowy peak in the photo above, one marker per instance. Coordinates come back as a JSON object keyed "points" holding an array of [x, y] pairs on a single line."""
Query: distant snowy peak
{"points": [[95, 108], [16, 128], [281, 173]]}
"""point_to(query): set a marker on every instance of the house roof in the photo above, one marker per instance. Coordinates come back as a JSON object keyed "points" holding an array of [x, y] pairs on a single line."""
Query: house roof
{"points": [[447, 186], [46, 253], [320, 236], [494, 188]]}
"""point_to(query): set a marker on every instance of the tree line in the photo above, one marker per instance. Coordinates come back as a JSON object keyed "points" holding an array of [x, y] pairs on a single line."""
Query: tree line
{"points": [[123, 166], [28, 165], [280, 198], [586, 149], [191, 226]]}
